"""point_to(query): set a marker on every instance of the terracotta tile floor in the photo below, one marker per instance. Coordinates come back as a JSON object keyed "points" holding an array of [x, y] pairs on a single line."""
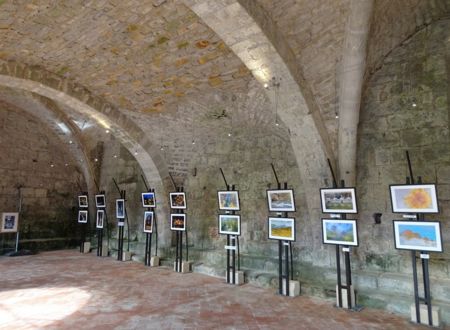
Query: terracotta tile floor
{"points": [[68, 290]]}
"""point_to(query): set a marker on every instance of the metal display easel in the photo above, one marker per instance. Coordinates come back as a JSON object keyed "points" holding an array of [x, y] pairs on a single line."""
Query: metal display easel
{"points": [[100, 230], [284, 251], [83, 225], [148, 238], [424, 256], [121, 225], [232, 244]]}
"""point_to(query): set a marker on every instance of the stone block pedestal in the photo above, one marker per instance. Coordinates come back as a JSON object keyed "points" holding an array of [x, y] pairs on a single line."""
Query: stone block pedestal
{"points": [[435, 314], [294, 288], [186, 266], [104, 250], [154, 261], [238, 277], [126, 256], [86, 247], [344, 297]]}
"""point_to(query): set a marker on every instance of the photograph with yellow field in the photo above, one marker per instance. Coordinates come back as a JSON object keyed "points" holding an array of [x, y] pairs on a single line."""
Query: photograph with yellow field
{"points": [[282, 229], [417, 198]]}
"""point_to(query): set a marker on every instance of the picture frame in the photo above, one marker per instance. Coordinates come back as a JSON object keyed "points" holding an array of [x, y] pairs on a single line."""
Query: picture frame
{"points": [[83, 201], [149, 218], [230, 224], [281, 229], [178, 221], [82, 216], [120, 208], [340, 232], [100, 201], [418, 235], [10, 222], [414, 198], [228, 200], [148, 199], [99, 223], [281, 200], [177, 200], [338, 200]]}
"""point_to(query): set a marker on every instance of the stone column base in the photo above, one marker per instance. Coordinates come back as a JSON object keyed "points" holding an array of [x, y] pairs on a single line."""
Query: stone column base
{"points": [[344, 297], [126, 256], [294, 288], [238, 277], [154, 261], [186, 266], [435, 314], [86, 247]]}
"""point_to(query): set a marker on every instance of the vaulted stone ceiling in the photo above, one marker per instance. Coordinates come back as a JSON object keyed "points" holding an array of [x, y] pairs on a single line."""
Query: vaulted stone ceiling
{"points": [[164, 68]]}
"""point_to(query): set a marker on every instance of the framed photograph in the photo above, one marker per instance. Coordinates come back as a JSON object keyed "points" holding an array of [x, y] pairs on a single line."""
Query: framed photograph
{"points": [[282, 229], [228, 200], [148, 199], [281, 200], [178, 200], [339, 232], [418, 235], [100, 201], [178, 221], [417, 198], [229, 224], [82, 216], [82, 201], [10, 222], [148, 222], [100, 218], [120, 208], [338, 200]]}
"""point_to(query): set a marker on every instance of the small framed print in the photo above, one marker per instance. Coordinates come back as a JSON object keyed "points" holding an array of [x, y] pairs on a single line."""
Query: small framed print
{"points": [[339, 232], [178, 221], [82, 216], [148, 199], [82, 201], [100, 201], [10, 222], [100, 219], [120, 208], [228, 200], [338, 200], [281, 200], [229, 224], [417, 198], [418, 235], [178, 200], [282, 229], [148, 221]]}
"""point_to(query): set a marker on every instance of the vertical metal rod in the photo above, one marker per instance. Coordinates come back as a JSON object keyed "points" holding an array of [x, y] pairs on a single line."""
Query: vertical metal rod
{"points": [[348, 279], [339, 281], [17, 241], [224, 179], [410, 167], [238, 253], [233, 257], [280, 267], [292, 261], [426, 284], [187, 246], [332, 173], [145, 182], [177, 251], [275, 174], [416, 285], [286, 255], [156, 235], [149, 248], [228, 259], [181, 251], [146, 250]]}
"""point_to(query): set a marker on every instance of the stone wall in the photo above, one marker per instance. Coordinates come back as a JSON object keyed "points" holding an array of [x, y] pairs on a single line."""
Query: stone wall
{"points": [[33, 159], [405, 107]]}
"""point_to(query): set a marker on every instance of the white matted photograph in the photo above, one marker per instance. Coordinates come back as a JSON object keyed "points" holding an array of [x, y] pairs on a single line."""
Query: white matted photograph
{"points": [[148, 221], [148, 199], [338, 200], [100, 201], [100, 219], [282, 229], [82, 216], [178, 222], [228, 200], [177, 200], [281, 200], [82, 201], [339, 232], [417, 198], [120, 208], [229, 224], [418, 235], [10, 222]]}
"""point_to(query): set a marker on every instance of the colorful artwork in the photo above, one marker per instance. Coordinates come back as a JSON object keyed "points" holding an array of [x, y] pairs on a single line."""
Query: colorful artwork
{"points": [[100, 218], [10, 222], [419, 198], [342, 200], [178, 222], [148, 222], [282, 229], [82, 216], [148, 199], [281, 200], [120, 208], [418, 235], [100, 201], [83, 201], [229, 224], [339, 232], [178, 200], [228, 200]]}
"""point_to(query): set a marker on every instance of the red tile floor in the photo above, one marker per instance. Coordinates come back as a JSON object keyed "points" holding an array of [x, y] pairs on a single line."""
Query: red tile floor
{"points": [[68, 290]]}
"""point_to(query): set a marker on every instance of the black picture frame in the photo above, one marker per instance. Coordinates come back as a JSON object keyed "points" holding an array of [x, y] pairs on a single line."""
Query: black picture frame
{"points": [[399, 246], [434, 198], [120, 209], [100, 200], [175, 204], [224, 232], [270, 205], [176, 228], [230, 192], [355, 232], [354, 200], [270, 235], [145, 196]]}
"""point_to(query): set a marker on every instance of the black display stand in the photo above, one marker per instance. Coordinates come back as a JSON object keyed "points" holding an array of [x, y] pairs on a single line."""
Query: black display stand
{"points": [[148, 238], [121, 225], [100, 230], [424, 256], [83, 225], [284, 251], [232, 244], [348, 269]]}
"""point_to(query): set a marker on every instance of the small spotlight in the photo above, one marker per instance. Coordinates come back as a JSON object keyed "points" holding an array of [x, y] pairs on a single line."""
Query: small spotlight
{"points": [[276, 124], [266, 85], [193, 142], [96, 160], [135, 153], [162, 148], [115, 156], [70, 142], [66, 164], [414, 104], [229, 134], [337, 116], [107, 131], [52, 165]]}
